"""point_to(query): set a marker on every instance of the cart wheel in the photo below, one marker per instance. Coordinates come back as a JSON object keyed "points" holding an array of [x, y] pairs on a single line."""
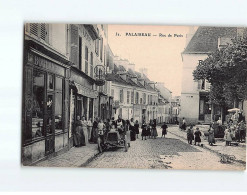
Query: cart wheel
{"points": [[125, 144], [99, 145]]}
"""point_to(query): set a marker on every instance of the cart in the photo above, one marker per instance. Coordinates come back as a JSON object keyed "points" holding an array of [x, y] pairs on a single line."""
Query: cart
{"points": [[113, 139]]}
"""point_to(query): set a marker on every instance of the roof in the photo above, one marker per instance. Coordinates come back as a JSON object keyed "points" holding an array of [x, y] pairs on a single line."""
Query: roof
{"points": [[205, 40]]}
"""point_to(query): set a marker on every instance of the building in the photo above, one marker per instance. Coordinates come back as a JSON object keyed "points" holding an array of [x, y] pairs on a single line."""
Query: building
{"points": [[63, 71], [45, 103], [133, 95], [195, 106], [175, 106]]}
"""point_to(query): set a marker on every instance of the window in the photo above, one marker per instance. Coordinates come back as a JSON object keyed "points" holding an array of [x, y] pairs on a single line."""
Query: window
{"points": [[140, 100], [80, 47], [121, 95], [38, 104], [144, 98], [132, 97], [112, 92], [91, 65], [39, 30], [101, 49], [128, 97], [86, 60], [50, 82], [137, 98]]}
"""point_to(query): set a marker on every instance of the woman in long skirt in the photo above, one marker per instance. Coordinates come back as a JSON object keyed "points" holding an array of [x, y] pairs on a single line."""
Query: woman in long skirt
{"points": [[211, 138], [198, 135], [144, 131], [77, 132], [132, 130], [84, 132], [89, 129], [95, 130], [136, 126], [155, 133]]}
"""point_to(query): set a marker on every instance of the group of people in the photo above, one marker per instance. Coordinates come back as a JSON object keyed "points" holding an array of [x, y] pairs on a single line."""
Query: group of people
{"points": [[150, 130], [86, 132], [233, 132]]}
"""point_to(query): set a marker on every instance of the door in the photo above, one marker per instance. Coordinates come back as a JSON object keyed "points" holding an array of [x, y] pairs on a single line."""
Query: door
{"points": [[50, 125]]}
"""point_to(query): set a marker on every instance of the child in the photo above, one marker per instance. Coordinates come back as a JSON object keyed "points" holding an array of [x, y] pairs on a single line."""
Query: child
{"points": [[190, 135]]}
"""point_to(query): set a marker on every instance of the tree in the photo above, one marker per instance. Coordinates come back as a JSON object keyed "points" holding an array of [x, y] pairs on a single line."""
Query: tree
{"points": [[226, 71]]}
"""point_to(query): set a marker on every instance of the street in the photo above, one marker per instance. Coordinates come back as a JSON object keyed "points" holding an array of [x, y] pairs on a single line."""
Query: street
{"points": [[171, 152]]}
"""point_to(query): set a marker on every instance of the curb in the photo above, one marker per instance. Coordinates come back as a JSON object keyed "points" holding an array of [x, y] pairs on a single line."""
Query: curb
{"points": [[206, 147]]}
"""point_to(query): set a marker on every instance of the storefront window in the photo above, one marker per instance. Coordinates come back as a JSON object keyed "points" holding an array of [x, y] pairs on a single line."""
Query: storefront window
{"points": [[38, 104], [59, 84], [58, 112], [50, 82]]}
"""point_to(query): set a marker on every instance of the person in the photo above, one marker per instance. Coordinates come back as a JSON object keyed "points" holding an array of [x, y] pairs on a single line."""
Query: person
{"points": [[151, 128], [211, 138], [95, 130], [148, 131], [219, 121], [89, 128], [164, 129], [107, 125], [77, 133], [136, 126], [84, 138], [154, 129], [228, 137], [101, 128], [144, 130], [190, 135], [119, 123], [242, 131], [183, 124], [198, 135], [132, 130]]}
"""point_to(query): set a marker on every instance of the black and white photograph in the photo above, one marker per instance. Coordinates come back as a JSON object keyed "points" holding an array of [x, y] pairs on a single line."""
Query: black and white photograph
{"points": [[134, 96]]}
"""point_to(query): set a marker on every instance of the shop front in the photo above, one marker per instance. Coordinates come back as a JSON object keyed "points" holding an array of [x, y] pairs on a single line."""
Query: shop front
{"points": [[45, 104], [82, 99]]}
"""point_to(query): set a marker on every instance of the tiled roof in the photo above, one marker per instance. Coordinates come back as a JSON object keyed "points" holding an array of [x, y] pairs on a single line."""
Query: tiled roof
{"points": [[205, 40]]}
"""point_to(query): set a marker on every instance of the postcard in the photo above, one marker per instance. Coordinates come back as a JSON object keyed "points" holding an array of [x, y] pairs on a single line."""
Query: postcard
{"points": [[134, 96]]}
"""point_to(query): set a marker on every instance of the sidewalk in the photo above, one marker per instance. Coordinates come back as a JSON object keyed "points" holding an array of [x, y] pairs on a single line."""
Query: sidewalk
{"points": [[219, 147], [75, 157]]}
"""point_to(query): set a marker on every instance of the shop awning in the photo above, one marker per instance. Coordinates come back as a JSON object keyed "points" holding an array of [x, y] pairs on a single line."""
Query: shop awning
{"points": [[86, 91]]}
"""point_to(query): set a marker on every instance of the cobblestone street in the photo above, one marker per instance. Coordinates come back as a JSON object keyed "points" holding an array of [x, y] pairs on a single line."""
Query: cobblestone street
{"points": [[172, 152]]}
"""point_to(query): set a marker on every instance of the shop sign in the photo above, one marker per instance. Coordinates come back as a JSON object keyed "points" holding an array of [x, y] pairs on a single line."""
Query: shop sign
{"points": [[44, 63], [86, 91]]}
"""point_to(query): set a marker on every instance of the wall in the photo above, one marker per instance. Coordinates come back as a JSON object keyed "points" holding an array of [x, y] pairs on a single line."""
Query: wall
{"points": [[190, 93]]}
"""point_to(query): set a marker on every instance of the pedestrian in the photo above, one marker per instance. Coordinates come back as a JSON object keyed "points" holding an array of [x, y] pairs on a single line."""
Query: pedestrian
{"points": [[154, 129], [101, 128], [77, 132], [211, 138], [198, 135], [132, 130], [164, 129], [183, 124], [89, 128], [95, 130], [136, 126], [144, 130], [119, 123], [228, 137], [107, 125], [148, 131], [242, 129], [84, 138], [190, 135]]}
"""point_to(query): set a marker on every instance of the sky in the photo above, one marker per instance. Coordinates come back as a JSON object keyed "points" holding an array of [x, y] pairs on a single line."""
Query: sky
{"points": [[161, 55]]}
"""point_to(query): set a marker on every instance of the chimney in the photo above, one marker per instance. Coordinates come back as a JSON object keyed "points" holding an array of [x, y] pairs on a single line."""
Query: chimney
{"points": [[143, 71]]}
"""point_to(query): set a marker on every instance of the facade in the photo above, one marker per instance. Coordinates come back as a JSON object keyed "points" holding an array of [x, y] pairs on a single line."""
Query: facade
{"points": [[46, 66], [133, 96], [60, 82], [195, 106]]}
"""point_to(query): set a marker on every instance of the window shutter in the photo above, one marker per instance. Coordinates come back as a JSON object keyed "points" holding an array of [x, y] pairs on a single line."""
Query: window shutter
{"points": [[34, 29], [44, 31], [74, 39]]}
